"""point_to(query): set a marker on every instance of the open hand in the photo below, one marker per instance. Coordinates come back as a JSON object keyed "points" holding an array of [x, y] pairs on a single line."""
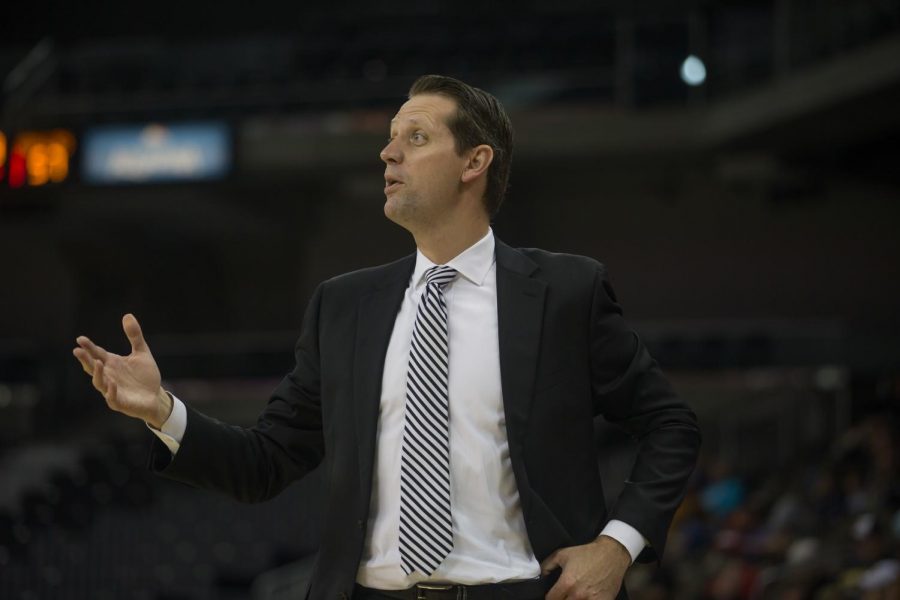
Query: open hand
{"points": [[130, 384], [593, 571]]}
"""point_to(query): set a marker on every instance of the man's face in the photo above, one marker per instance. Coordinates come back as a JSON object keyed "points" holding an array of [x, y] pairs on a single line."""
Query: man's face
{"points": [[423, 170]]}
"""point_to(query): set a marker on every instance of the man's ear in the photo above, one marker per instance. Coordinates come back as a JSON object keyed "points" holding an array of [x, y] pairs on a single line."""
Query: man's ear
{"points": [[480, 158]]}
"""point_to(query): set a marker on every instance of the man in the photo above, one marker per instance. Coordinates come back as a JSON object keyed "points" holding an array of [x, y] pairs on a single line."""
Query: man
{"points": [[450, 396]]}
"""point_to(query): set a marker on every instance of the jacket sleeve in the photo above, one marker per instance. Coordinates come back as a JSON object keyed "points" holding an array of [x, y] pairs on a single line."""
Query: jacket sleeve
{"points": [[256, 464], [630, 391]]}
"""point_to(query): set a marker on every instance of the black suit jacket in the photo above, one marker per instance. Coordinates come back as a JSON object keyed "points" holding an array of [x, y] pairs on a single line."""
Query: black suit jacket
{"points": [[566, 355]]}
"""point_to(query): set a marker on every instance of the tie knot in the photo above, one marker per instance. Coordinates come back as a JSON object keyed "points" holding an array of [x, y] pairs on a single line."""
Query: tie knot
{"points": [[440, 275]]}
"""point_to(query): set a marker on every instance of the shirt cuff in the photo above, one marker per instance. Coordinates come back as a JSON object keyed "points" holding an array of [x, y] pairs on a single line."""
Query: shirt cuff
{"points": [[172, 431], [626, 535]]}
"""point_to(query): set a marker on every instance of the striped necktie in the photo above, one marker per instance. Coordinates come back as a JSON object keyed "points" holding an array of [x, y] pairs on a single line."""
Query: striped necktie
{"points": [[426, 531]]}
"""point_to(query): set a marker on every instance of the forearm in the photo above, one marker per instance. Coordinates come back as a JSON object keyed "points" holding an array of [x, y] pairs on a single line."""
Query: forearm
{"points": [[243, 463], [656, 485]]}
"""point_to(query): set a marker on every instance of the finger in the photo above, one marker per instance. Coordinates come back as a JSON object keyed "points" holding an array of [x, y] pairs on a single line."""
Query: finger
{"points": [[97, 380], [552, 562], [133, 331], [84, 359], [96, 352]]}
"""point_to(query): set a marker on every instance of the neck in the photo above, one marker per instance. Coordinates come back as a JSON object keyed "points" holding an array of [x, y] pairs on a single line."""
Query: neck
{"points": [[442, 244]]}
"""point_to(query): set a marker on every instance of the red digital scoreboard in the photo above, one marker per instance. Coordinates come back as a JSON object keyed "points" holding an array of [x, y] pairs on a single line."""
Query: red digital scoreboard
{"points": [[35, 158]]}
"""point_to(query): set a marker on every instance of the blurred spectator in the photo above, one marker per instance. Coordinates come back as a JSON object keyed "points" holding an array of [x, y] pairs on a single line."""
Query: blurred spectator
{"points": [[827, 528]]}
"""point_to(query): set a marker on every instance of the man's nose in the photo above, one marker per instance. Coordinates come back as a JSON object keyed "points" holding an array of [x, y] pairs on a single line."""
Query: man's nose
{"points": [[390, 153]]}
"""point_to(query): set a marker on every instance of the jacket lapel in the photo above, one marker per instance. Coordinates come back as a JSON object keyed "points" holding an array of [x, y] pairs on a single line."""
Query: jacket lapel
{"points": [[375, 321], [520, 307]]}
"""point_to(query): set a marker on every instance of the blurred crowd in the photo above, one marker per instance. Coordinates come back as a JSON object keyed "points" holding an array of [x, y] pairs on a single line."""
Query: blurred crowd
{"points": [[826, 527]]}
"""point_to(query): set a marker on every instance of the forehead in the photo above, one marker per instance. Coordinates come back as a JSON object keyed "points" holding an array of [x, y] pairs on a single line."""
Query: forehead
{"points": [[426, 109]]}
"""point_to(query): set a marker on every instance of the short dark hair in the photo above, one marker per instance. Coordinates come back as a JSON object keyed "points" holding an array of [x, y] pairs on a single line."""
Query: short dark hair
{"points": [[480, 119]]}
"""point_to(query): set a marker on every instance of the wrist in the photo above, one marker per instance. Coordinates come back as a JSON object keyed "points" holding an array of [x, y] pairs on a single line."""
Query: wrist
{"points": [[617, 547], [164, 406]]}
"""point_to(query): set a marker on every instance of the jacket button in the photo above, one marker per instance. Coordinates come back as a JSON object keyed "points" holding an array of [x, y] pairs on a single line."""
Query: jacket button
{"points": [[344, 596], [359, 524]]}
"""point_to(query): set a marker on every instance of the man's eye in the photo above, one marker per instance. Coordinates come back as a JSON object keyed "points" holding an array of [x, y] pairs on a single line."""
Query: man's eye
{"points": [[418, 137]]}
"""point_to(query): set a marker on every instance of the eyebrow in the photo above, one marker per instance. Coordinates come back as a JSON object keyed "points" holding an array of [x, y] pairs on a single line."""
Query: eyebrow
{"points": [[412, 120]]}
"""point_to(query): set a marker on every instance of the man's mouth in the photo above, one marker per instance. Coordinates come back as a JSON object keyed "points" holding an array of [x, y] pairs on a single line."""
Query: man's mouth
{"points": [[391, 184]]}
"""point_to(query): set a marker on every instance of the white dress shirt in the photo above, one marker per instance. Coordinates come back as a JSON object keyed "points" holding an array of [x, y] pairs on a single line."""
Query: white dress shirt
{"points": [[490, 542]]}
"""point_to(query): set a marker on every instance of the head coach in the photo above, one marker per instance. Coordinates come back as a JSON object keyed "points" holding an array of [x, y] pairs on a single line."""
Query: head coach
{"points": [[449, 396]]}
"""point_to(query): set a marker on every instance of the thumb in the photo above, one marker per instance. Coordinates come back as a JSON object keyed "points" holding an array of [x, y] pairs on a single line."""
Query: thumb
{"points": [[557, 559], [133, 331]]}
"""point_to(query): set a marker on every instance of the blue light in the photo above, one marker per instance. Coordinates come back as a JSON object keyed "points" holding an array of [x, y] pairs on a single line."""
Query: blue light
{"points": [[693, 71]]}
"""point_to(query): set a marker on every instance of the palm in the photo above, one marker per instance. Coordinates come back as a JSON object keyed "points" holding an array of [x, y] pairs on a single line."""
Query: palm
{"points": [[137, 378], [130, 384]]}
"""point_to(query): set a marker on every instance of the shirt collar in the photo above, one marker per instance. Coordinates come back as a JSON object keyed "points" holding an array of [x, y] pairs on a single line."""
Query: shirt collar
{"points": [[473, 263]]}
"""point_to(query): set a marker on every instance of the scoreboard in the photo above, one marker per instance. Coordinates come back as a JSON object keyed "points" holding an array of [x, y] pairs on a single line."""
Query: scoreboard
{"points": [[35, 158]]}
